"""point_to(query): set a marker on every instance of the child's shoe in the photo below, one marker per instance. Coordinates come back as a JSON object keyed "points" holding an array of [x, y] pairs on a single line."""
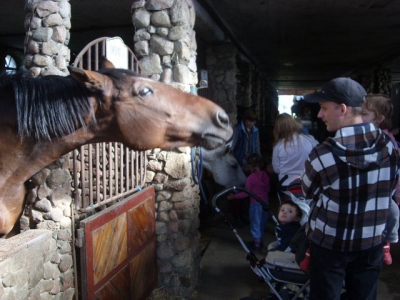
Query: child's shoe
{"points": [[305, 264], [254, 246], [387, 257]]}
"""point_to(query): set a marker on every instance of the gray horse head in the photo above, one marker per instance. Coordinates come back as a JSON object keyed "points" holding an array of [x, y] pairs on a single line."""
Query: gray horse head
{"points": [[224, 167]]}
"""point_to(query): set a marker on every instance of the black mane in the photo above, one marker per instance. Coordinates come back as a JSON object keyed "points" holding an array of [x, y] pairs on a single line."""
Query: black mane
{"points": [[47, 107], [119, 75]]}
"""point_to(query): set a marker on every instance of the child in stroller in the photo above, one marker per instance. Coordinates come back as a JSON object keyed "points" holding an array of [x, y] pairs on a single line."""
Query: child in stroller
{"points": [[289, 223], [278, 269]]}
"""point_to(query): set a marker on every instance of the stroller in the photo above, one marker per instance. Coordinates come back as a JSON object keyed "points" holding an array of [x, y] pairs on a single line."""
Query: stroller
{"points": [[278, 269]]}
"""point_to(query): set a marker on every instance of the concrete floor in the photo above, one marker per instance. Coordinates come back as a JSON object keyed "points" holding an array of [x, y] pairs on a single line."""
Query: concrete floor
{"points": [[226, 274]]}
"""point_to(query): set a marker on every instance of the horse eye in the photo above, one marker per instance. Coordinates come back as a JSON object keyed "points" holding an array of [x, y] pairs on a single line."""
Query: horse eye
{"points": [[146, 91]]}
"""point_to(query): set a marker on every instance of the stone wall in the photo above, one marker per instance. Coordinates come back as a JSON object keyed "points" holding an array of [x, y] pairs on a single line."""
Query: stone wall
{"points": [[49, 200], [237, 82], [177, 222], [165, 44], [47, 25], [30, 269], [222, 70], [48, 207], [244, 79]]}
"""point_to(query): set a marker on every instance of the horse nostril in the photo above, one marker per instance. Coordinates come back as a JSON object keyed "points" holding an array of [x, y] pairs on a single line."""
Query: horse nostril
{"points": [[222, 119]]}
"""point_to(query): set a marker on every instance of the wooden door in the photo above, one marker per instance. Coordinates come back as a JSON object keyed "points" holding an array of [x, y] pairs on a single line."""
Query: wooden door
{"points": [[119, 259]]}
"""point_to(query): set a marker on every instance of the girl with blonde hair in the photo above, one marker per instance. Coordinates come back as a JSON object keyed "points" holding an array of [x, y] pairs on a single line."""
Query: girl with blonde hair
{"points": [[290, 151]]}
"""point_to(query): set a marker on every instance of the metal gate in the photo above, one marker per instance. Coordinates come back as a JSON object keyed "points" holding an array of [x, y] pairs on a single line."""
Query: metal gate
{"points": [[118, 245], [105, 172]]}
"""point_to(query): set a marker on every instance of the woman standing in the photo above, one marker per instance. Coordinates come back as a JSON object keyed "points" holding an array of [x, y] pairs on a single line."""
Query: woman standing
{"points": [[290, 151]]}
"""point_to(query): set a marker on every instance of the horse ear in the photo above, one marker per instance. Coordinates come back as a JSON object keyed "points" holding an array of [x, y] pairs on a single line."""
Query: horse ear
{"points": [[106, 64], [94, 81]]}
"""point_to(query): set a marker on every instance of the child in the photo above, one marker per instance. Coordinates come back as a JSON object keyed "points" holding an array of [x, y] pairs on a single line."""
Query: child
{"points": [[289, 223], [378, 109], [258, 183]]}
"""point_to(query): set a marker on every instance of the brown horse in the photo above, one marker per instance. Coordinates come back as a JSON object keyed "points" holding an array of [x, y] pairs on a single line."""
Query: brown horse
{"points": [[43, 119]]}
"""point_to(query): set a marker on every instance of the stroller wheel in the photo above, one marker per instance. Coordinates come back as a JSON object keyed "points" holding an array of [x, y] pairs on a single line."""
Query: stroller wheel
{"points": [[289, 290], [287, 294]]}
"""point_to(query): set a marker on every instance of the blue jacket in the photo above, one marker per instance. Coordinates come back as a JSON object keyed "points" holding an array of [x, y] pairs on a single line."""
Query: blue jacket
{"points": [[239, 142]]}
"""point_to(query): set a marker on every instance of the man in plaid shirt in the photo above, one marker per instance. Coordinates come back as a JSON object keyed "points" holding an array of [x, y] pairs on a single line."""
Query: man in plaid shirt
{"points": [[351, 178]]}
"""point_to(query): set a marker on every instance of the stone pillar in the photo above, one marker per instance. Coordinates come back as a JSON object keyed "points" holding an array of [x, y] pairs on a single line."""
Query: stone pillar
{"points": [[244, 79], [49, 200], [166, 48], [222, 70], [49, 207], [47, 25]]}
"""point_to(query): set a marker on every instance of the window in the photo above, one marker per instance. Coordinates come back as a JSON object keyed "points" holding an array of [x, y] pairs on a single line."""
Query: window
{"points": [[10, 64]]}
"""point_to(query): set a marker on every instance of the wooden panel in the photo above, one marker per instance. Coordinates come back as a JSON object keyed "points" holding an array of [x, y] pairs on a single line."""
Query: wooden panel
{"points": [[140, 228], [119, 259], [109, 247], [117, 287], [143, 272]]}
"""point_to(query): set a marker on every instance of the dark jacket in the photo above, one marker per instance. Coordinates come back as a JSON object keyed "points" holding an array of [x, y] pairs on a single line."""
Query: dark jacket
{"points": [[284, 233], [240, 140], [351, 177]]}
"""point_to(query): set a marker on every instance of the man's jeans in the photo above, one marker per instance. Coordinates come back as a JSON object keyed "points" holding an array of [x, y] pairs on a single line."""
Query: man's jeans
{"points": [[358, 271]]}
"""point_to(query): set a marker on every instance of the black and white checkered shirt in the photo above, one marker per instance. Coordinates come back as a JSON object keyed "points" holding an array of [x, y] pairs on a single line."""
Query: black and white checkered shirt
{"points": [[351, 178]]}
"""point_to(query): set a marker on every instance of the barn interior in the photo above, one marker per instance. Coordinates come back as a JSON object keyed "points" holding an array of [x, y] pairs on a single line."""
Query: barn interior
{"points": [[296, 44]]}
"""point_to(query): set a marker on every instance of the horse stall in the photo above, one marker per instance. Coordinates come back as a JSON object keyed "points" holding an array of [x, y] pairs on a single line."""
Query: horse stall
{"points": [[45, 122], [112, 214], [116, 234]]}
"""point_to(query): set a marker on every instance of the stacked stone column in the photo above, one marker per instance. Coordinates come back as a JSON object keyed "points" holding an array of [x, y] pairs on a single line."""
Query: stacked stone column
{"points": [[222, 71], [47, 25], [164, 42]]}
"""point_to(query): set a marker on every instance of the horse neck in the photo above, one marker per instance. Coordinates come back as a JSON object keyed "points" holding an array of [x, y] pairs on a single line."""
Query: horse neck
{"points": [[26, 158]]}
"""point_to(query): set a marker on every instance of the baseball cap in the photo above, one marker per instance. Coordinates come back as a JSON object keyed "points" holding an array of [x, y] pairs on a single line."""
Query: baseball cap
{"points": [[341, 90]]}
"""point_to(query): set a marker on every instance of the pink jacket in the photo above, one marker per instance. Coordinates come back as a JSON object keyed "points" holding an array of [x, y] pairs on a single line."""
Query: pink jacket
{"points": [[258, 183]]}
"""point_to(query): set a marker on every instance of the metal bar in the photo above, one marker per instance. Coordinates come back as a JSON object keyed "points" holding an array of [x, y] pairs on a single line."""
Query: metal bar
{"points": [[127, 176], [96, 57], [134, 174], [98, 199], [89, 60], [104, 164], [110, 171], [120, 196], [137, 168], [116, 168], [111, 174], [121, 168], [83, 175], [90, 171], [77, 198]]}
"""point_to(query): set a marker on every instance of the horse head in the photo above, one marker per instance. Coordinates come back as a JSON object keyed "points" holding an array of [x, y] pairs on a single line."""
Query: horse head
{"points": [[42, 119], [224, 167], [145, 114]]}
